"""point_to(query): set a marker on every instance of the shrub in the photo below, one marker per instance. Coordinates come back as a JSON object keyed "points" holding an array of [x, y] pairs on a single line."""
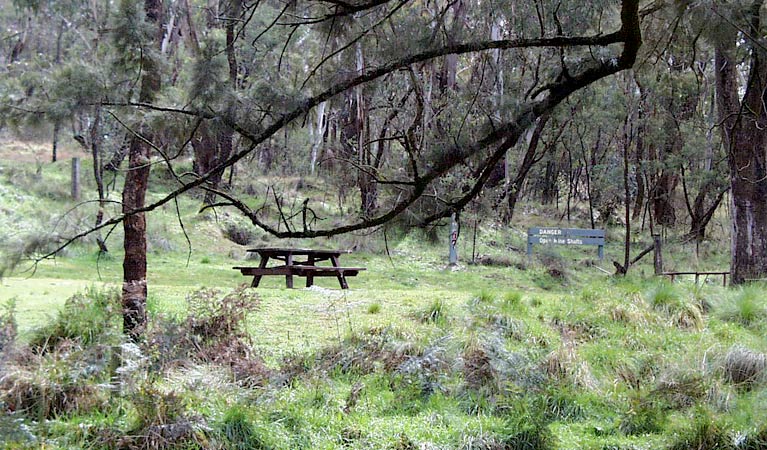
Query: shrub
{"points": [[238, 234], [160, 423], [213, 331], [59, 382]]}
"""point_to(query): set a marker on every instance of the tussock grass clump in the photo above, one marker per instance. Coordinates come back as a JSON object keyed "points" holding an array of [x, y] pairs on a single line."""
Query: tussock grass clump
{"points": [[755, 439], [485, 296], [629, 314], [361, 353], [374, 308], [436, 313], [682, 389], [705, 433], [747, 308], [239, 431], [564, 364], [665, 296], [512, 300], [87, 317], [744, 367], [684, 312], [527, 424], [644, 416]]}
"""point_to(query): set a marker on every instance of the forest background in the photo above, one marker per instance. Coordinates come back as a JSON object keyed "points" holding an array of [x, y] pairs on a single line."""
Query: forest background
{"points": [[305, 120]]}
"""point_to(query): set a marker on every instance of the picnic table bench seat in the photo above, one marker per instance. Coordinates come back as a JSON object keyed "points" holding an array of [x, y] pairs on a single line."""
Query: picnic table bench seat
{"points": [[277, 270], [326, 271]]}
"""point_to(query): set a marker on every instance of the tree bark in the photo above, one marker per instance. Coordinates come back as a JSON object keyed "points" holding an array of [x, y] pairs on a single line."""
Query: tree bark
{"points": [[744, 127], [528, 161], [134, 291]]}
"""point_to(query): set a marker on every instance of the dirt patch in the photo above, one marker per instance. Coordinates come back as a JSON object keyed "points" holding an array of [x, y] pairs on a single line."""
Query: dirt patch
{"points": [[12, 148]]}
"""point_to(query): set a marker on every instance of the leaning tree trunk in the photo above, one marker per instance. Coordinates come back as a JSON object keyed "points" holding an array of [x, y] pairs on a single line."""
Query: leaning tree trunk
{"points": [[528, 161], [744, 126], [134, 290]]}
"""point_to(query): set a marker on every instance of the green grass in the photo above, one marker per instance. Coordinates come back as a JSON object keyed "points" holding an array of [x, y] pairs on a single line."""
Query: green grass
{"points": [[550, 353]]}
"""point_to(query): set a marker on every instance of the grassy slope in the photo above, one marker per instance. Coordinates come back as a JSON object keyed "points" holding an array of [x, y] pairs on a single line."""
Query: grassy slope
{"points": [[596, 362]]}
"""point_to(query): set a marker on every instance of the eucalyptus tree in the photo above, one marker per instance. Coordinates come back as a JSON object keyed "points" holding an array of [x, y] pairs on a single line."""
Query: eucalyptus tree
{"points": [[438, 90], [741, 54]]}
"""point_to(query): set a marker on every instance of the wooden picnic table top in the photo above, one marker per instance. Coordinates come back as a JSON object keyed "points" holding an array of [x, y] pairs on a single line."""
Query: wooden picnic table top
{"points": [[296, 251]]}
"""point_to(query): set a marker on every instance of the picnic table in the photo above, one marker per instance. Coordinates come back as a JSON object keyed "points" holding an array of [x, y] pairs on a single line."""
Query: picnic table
{"points": [[302, 262]]}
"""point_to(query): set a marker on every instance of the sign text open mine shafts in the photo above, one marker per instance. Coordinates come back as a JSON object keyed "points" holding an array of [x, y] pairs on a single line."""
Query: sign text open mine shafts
{"points": [[565, 236]]}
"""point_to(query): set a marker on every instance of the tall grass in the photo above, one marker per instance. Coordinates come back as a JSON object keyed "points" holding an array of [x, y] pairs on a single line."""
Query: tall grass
{"points": [[747, 307], [683, 311]]}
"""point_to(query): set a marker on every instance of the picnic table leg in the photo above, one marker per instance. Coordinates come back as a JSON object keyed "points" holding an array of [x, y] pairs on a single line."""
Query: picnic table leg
{"points": [[261, 265], [289, 276], [340, 276], [310, 275]]}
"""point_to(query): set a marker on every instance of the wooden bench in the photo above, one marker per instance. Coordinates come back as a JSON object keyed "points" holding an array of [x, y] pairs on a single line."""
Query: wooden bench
{"points": [[723, 274]]}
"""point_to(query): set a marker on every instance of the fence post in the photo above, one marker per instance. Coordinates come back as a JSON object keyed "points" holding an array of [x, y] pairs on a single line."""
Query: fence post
{"points": [[657, 254]]}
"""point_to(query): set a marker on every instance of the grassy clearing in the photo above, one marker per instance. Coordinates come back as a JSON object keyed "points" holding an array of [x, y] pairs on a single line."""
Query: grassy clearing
{"points": [[503, 353]]}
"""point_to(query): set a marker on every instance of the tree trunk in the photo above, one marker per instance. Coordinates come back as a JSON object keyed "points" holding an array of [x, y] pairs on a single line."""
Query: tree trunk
{"points": [[527, 163], [744, 127], [663, 191], [549, 189], [134, 290], [217, 142]]}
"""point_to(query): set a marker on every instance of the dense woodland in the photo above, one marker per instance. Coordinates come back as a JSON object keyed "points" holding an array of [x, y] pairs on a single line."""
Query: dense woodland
{"points": [[650, 113]]}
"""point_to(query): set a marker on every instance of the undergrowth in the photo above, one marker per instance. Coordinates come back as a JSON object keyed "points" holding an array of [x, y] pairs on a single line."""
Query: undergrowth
{"points": [[603, 367]]}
